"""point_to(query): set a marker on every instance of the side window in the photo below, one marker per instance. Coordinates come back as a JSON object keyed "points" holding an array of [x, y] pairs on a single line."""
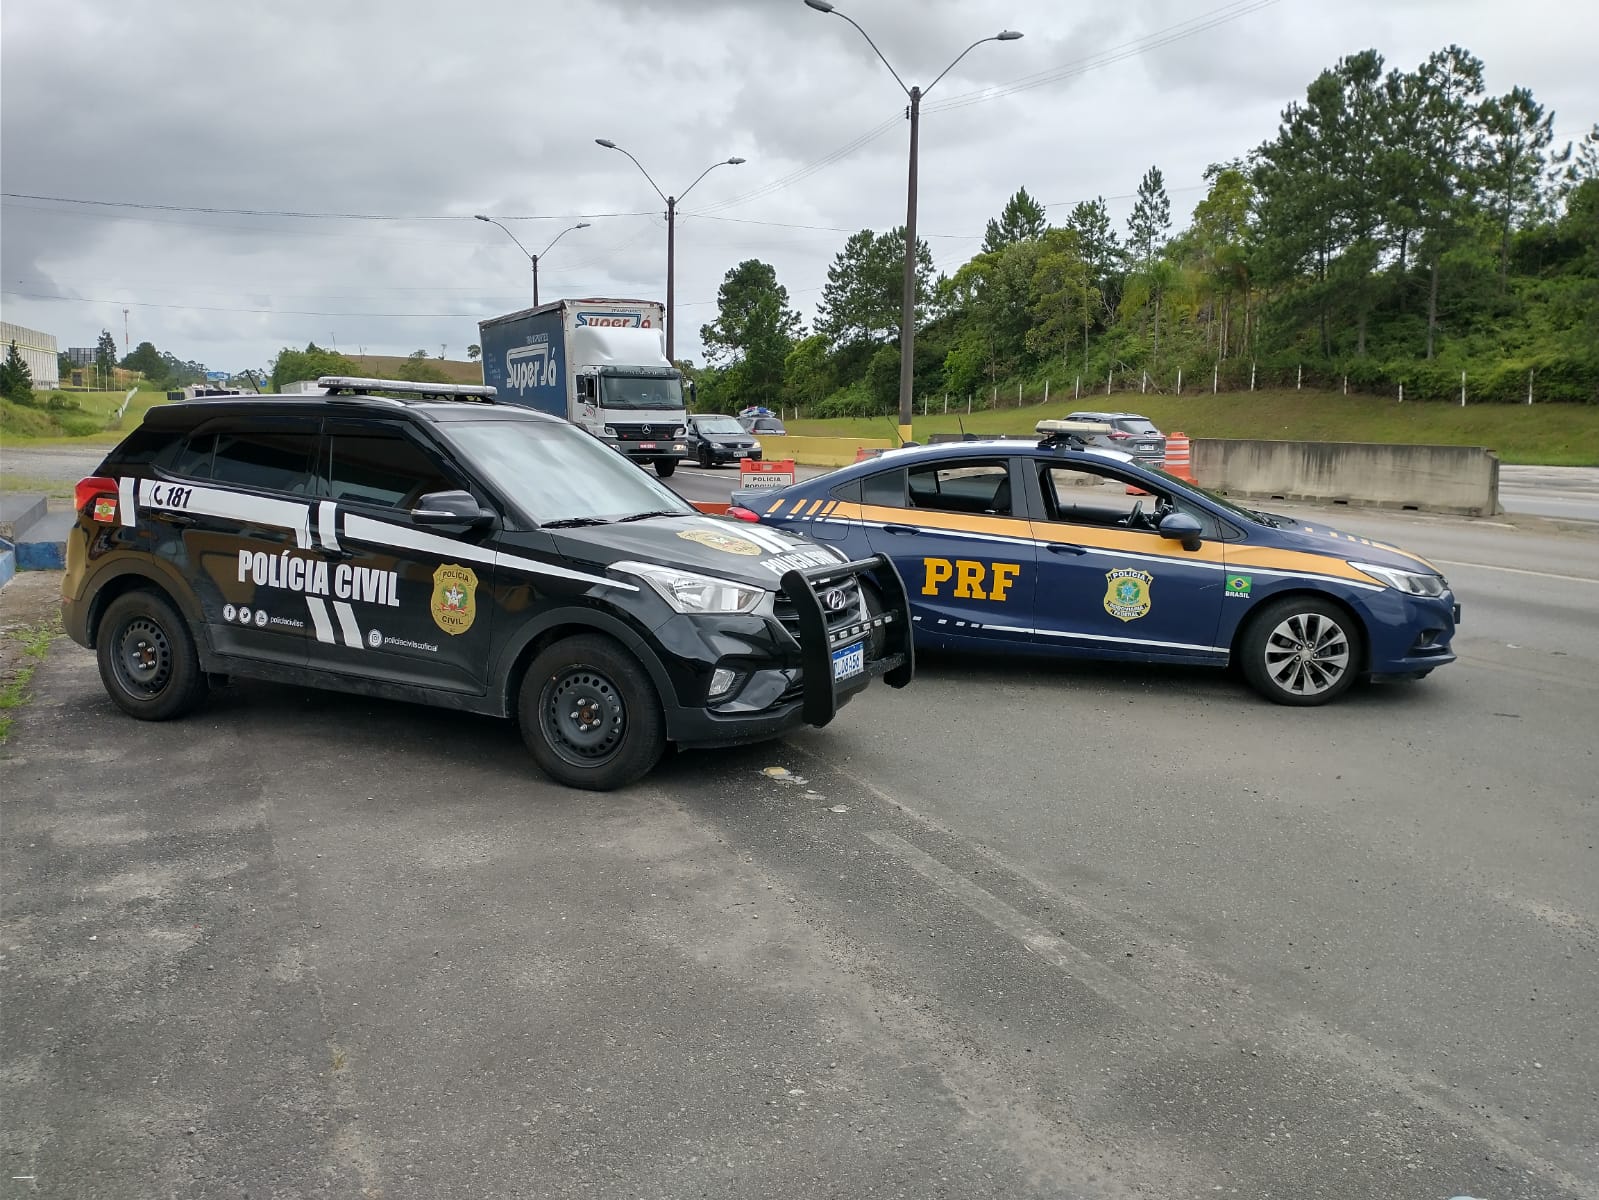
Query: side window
{"points": [[980, 486], [383, 467], [886, 488], [274, 460], [193, 461], [1081, 496], [849, 492]]}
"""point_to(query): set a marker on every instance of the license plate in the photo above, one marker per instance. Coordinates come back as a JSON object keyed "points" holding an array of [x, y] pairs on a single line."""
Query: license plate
{"points": [[849, 662], [646, 445], [1147, 446]]}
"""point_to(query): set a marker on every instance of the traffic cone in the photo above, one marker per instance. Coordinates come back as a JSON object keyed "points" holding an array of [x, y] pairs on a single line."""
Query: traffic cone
{"points": [[1179, 457]]}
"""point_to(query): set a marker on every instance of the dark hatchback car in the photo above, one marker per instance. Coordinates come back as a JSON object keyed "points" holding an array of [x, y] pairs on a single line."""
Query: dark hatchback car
{"points": [[764, 426], [1130, 433], [715, 438], [420, 542]]}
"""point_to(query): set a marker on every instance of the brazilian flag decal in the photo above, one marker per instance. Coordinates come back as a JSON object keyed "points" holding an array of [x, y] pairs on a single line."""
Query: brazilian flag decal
{"points": [[1239, 585]]}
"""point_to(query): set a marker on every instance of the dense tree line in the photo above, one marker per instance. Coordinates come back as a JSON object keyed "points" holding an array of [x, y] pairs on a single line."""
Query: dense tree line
{"points": [[1401, 227]]}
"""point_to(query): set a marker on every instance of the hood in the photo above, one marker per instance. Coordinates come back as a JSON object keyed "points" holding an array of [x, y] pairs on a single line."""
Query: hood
{"points": [[1323, 539], [737, 550], [729, 439]]}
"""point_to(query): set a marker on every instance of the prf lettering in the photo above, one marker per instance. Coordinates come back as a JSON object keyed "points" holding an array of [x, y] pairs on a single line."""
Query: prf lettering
{"points": [[971, 579]]}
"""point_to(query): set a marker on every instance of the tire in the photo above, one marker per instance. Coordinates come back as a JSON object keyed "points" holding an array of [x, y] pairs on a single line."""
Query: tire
{"points": [[147, 657], [1302, 651], [877, 640], [705, 458], [665, 467], [589, 714]]}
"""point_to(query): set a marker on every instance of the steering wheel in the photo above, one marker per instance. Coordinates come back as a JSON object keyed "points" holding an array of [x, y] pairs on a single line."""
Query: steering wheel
{"points": [[1136, 518]]}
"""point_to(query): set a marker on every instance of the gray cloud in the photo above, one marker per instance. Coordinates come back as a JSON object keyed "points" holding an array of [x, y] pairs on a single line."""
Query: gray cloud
{"points": [[416, 108]]}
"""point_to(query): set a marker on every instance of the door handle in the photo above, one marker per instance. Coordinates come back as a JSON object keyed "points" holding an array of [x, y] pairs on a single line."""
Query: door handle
{"points": [[181, 520], [901, 529], [1064, 548]]}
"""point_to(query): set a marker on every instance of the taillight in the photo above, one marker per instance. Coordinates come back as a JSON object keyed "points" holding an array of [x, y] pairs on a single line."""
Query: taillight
{"points": [[1119, 436], [743, 514], [98, 495]]}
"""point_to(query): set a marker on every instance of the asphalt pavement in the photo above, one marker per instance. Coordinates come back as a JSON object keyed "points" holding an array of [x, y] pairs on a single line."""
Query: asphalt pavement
{"points": [[1023, 930]]}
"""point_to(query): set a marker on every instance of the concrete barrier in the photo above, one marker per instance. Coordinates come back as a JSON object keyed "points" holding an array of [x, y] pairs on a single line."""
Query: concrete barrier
{"points": [[1463, 480], [819, 451]]}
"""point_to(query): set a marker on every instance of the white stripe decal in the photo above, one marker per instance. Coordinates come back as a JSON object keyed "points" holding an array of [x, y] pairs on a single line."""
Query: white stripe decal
{"points": [[239, 506], [319, 618], [764, 538], [327, 520], [380, 533], [125, 501], [1098, 637], [352, 631]]}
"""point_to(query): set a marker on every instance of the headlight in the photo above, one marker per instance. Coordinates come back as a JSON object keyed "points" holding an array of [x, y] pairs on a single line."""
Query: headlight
{"points": [[1412, 583], [755, 445], [690, 593], [679, 431], [610, 431]]}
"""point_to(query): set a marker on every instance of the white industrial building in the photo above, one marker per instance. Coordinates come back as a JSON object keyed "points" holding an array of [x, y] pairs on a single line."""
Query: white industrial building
{"points": [[38, 350]]}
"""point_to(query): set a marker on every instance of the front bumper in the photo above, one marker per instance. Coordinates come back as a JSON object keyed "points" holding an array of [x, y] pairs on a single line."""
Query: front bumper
{"points": [[665, 450], [1410, 635], [723, 454], [786, 683]]}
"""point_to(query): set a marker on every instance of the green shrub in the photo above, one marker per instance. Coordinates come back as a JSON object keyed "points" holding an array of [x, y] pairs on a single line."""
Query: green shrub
{"points": [[79, 424]]}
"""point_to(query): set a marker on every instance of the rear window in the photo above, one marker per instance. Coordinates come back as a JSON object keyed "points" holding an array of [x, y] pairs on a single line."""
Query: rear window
{"points": [[1136, 425]]}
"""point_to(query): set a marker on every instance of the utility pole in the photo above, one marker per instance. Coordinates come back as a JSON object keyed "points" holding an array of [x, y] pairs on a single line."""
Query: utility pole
{"points": [[671, 236], [907, 321], [124, 329], [531, 257]]}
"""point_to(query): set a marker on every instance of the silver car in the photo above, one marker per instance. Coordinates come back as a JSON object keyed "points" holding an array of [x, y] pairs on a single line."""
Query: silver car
{"points": [[1130, 433]]}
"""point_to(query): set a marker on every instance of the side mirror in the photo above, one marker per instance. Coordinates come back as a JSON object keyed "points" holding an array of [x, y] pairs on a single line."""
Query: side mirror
{"points": [[585, 387], [1180, 527], [450, 508]]}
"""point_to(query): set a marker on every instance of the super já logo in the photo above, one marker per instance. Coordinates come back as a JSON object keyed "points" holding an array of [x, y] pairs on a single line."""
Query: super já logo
{"points": [[454, 604], [1127, 593], [725, 542]]}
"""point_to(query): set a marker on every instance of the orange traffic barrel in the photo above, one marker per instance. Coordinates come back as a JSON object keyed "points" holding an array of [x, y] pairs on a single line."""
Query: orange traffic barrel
{"points": [[1179, 457]]}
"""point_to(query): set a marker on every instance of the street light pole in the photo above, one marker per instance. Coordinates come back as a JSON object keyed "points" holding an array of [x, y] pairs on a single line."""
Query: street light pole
{"points": [[671, 236], [907, 319], [531, 257]]}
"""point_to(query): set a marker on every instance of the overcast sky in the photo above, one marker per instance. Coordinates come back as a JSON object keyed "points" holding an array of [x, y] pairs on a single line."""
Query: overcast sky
{"points": [[427, 110]]}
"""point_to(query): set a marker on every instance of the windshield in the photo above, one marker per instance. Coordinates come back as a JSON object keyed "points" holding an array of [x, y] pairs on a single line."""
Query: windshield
{"points": [[717, 425], [559, 473], [1136, 425], [640, 392]]}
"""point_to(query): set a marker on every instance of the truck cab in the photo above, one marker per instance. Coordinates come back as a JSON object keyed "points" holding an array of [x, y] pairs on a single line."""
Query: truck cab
{"points": [[600, 364]]}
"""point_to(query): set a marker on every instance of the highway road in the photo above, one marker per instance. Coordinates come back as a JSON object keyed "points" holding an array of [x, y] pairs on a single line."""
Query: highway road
{"points": [[1023, 930]]}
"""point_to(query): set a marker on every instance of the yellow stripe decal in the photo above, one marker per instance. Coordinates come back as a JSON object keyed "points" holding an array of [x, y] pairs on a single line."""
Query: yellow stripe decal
{"points": [[811, 511]]}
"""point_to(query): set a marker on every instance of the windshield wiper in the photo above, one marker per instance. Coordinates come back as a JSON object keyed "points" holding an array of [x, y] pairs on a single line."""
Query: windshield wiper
{"points": [[1264, 519], [570, 522], [642, 516]]}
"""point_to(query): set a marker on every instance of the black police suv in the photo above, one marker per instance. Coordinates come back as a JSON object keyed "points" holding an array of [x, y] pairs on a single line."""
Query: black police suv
{"points": [[422, 542]]}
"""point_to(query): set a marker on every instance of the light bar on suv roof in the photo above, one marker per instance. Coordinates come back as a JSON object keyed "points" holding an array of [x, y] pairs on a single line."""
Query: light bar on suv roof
{"points": [[347, 384]]}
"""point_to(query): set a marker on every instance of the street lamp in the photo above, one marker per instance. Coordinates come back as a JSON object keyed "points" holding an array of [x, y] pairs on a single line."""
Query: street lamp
{"points": [[907, 319], [534, 258], [671, 235]]}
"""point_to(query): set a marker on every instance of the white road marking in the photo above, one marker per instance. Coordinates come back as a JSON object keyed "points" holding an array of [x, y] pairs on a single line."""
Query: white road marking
{"points": [[1449, 562]]}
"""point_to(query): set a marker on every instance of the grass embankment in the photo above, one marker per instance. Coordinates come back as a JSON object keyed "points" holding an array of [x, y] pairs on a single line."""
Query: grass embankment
{"points": [[1562, 435], [80, 419]]}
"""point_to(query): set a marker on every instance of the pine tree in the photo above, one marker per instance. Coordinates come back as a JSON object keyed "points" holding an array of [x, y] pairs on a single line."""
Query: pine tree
{"points": [[1021, 221], [16, 380], [1151, 217]]}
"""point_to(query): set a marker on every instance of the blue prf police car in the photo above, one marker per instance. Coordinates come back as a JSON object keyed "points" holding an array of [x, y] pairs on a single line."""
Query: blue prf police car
{"points": [[1052, 547]]}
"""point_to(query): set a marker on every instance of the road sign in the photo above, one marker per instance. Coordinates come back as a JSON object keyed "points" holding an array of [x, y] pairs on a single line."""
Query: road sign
{"points": [[765, 476]]}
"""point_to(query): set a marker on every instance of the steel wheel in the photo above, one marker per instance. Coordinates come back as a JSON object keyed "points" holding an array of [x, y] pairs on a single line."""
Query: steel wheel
{"points": [[147, 657], [583, 716], [142, 657], [590, 714], [1302, 650]]}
